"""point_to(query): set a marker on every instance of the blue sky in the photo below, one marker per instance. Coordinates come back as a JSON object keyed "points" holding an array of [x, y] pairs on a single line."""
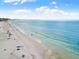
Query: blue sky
{"points": [[40, 9]]}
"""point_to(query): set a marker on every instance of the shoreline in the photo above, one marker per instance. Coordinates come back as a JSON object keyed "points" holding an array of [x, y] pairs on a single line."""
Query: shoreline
{"points": [[35, 49], [30, 45], [40, 48], [33, 46], [24, 33]]}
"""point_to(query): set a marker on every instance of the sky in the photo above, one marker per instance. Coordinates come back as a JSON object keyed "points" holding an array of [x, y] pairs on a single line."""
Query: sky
{"points": [[40, 9]]}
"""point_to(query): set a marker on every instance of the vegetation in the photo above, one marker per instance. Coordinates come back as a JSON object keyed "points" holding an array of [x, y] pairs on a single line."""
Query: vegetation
{"points": [[4, 19]]}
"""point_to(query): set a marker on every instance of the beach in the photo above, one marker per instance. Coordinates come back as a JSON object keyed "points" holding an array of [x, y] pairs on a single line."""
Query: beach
{"points": [[16, 45], [62, 40]]}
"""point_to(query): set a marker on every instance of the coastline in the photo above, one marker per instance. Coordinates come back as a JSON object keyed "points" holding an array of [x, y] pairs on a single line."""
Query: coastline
{"points": [[37, 46], [32, 46], [58, 51]]}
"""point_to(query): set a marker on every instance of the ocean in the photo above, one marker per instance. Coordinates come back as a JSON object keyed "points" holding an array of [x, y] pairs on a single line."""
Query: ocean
{"points": [[62, 36]]}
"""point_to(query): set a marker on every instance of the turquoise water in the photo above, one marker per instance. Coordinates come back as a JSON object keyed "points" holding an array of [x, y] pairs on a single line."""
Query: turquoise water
{"points": [[63, 36]]}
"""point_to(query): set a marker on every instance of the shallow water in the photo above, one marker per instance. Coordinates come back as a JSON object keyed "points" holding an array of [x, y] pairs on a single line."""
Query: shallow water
{"points": [[61, 36]]}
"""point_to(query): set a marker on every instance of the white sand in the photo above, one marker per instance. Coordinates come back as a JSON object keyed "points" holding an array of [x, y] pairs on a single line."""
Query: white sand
{"points": [[31, 47]]}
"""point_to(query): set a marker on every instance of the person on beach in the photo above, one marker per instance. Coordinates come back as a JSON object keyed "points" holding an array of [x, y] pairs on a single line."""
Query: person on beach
{"points": [[9, 34]]}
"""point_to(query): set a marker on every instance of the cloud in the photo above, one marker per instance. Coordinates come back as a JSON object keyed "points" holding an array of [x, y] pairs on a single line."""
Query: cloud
{"points": [[15, 2], [44, 13], [54, 2], [23, 1], [22, 11], [10, 1], [53, 13]]}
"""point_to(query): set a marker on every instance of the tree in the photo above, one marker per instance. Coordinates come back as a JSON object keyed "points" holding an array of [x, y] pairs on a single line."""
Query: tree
{"points": [[4, 19]]}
